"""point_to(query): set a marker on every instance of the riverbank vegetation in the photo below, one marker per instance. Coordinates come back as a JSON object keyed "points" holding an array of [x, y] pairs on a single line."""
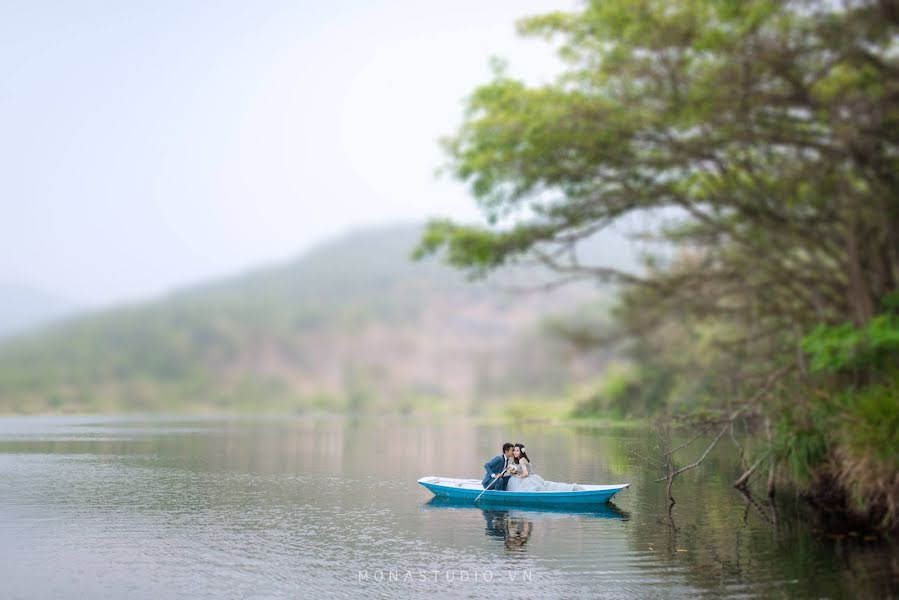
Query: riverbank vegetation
{"points": [[762, 138]]}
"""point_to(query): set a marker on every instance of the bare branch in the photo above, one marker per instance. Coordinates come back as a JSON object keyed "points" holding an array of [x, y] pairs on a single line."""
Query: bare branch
{"points": [[687, 443], [693, 465], [772, 378], [743, 479], [601, 273]]}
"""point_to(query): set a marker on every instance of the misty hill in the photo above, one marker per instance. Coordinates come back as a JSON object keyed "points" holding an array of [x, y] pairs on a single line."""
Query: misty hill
{"points": [[23, 308], [352, 324]]}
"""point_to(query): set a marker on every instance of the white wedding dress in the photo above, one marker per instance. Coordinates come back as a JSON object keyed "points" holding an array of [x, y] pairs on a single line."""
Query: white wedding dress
{"points": [[535, 483]]}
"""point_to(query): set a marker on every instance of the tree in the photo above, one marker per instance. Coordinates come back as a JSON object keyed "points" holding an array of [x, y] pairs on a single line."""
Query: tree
{"points": [[770, 128]]}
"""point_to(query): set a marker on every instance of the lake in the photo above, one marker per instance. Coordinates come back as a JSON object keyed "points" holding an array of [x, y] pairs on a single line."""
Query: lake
{"points": [[127, 507]]}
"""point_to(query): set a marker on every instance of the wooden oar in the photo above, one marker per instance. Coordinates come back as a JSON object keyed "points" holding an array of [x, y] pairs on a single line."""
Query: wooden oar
{"points": [[491, 483]]}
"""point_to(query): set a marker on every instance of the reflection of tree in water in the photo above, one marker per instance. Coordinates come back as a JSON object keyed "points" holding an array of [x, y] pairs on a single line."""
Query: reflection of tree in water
{"points": [[514, 530], [724, 541]]}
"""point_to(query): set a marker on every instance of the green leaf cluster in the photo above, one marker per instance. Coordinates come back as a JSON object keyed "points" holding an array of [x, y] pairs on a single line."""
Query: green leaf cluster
{"points": [[848, 348], [764, 135]]}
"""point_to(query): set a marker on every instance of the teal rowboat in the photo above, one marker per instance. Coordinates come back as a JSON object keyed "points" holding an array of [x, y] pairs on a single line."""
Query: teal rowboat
{"points": [[607, 510], [470, 489]]}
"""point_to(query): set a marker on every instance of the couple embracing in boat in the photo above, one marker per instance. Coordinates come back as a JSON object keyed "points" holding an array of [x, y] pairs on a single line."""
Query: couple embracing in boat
{"points": [[512, 471]]}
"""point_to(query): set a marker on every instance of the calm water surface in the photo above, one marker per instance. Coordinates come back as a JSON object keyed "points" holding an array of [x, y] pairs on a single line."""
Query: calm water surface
{"points": [[103, 507]]}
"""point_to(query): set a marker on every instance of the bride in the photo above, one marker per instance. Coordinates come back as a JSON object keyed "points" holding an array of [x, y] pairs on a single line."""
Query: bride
{"points": [[527, 480]]}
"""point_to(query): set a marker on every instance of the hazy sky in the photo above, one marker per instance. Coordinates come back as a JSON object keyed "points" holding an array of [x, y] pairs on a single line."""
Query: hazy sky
{"points": [[147, 145]]}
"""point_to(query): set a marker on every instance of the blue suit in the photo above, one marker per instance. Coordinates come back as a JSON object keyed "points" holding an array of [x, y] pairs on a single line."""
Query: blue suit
{"points": [[495, 466]]}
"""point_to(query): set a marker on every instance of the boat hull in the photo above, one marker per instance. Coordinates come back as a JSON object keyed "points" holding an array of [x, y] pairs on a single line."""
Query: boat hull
{"points": [[540, 512], [470, 489]]}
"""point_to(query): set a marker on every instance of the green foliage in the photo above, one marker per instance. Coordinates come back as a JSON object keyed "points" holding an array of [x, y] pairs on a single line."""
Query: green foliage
{"points": [[866, 451], [478, 248], [801, 443], [766, 133], [848, 443], [728, 111], [627, 392], [869, 421], [845, 347]]}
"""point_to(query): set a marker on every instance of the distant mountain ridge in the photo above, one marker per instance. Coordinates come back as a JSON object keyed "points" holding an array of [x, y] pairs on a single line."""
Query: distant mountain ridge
{"points": [[352, 324]]}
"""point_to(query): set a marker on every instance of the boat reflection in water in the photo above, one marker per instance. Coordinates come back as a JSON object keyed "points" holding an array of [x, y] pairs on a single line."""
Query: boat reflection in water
{"points": [[514, 525]]}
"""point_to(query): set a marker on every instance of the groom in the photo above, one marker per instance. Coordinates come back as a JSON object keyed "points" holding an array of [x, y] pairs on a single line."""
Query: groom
{"points": [[496, 467]]}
